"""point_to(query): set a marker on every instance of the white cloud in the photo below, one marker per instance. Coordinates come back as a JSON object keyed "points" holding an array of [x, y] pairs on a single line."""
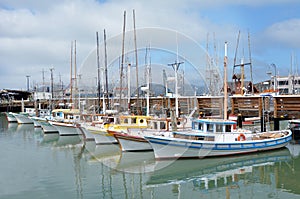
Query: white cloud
{"points": [[37, 34], [285, 33]]}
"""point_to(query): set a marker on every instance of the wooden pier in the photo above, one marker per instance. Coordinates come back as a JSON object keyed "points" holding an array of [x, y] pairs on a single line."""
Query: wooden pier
{"points": [[278, 107]]}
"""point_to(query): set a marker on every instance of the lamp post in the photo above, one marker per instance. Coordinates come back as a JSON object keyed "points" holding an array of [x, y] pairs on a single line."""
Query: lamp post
{"points": [[275, 77], [27, 76]]}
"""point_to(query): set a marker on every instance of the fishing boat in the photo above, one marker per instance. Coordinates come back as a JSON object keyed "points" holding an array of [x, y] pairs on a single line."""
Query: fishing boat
{"points": [[10, 117], [133, 139], [66, 121], [22, 118], [48, 128], [116, 124], [216, 137], [97, 130], [37, 121]]}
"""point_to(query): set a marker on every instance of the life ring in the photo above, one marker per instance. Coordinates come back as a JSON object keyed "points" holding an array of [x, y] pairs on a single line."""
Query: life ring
{"points": [[241, 137]]}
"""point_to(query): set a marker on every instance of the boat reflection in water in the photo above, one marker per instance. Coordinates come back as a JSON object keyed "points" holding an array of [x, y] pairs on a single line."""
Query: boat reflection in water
{"points": [[69, 141], [25, 128], [136, 162], [227, 175], [107, 154], [12, 127], [49, 139]]}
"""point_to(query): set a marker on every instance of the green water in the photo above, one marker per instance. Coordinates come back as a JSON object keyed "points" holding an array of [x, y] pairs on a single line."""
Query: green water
{"points": [[34, 165]]}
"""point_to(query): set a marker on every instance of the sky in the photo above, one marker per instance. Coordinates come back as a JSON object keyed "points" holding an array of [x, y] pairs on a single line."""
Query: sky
{"points": [[36, 35]]}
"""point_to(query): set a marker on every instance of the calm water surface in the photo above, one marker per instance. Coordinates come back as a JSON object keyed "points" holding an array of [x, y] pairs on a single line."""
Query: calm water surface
{"points": [[34, 165]]}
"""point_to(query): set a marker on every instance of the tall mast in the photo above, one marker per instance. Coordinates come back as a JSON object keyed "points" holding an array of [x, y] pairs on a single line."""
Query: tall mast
{"points": [[136, 65], [225, 82], [250, 60], [75, 73], [148, 68], [105, 70], [71, 73], [98, 72], [122, 61]]}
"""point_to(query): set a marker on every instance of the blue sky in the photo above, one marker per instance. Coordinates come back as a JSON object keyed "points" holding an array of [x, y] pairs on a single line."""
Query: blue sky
{"points": [[36, 35]]}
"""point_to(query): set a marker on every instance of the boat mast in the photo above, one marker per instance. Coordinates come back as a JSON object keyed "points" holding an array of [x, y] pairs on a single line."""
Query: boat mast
{"points": [[106, 75], [136, 65], [122, 61], [148, 69], [250, 59], [225, 81], [71, 74], [75, 73], [98, 72]]}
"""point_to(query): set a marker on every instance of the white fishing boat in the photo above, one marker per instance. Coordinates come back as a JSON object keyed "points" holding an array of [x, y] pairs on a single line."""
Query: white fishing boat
{"points": [[116, 124], [10, 117], [97, 130], [48, 128], [67, 129], [133, 139], [66, 121], [37, 121], [22, 118], [216, 137]]}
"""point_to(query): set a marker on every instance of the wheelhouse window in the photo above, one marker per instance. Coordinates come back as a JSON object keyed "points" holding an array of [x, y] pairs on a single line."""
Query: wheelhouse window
{"points": [[219, 128], [200, 126], [154, 125], [228, 128], [162, 125], [210, 127], [133, 120]]}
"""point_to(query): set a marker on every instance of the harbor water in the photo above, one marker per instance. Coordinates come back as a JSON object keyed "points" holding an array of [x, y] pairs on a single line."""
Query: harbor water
{"points": [[34, 165]]}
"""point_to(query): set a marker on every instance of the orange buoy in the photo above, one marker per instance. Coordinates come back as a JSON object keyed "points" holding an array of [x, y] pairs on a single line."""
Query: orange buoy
{"points": [[241, 137]]}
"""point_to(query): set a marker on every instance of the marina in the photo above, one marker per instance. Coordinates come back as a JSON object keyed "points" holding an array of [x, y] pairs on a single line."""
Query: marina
{"points": [[56, 166], [182, 100]]}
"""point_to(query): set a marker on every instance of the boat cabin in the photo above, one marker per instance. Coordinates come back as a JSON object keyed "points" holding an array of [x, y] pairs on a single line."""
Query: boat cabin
{"points": [[206, 129], [213, 125], [66, 115], [130, 121]]}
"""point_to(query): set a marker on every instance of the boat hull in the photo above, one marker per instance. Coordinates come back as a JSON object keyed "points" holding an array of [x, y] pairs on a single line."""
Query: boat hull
{"points": [[102, 137], [23, 119], [48, 128], [10, 118], [88, 136], [132, 143], [67, 129], [165, 148]]}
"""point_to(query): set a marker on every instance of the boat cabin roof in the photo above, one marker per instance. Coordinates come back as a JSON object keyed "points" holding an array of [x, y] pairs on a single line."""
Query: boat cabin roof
{"points": [[66, 111], [215, 121]]}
